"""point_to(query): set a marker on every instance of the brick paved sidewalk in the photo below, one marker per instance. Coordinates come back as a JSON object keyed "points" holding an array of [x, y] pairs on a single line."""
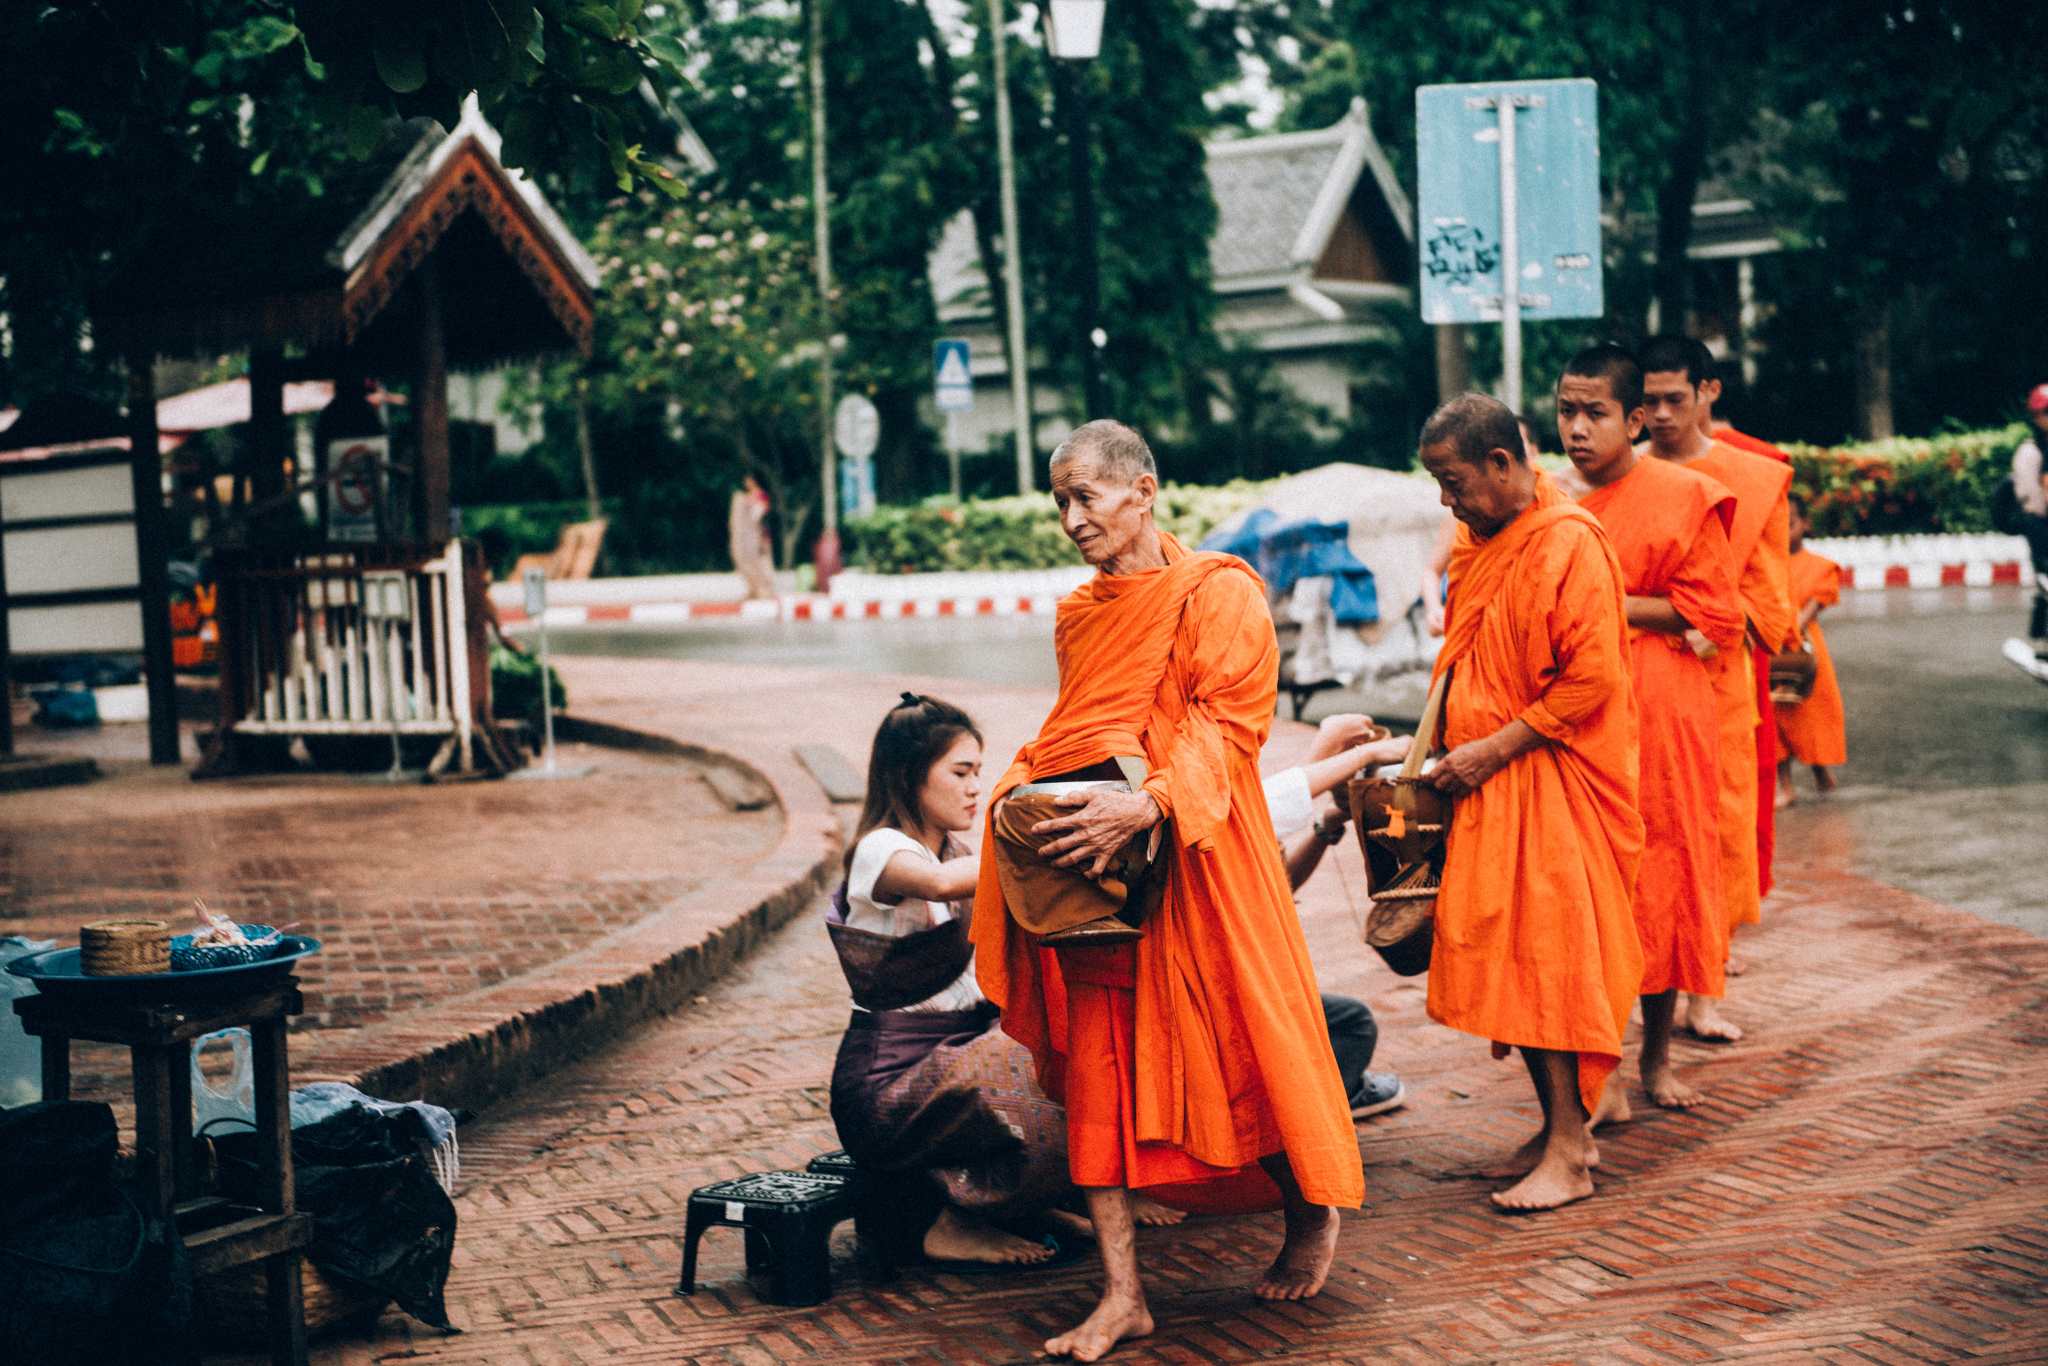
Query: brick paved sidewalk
{"points": [[1865, 1183]]}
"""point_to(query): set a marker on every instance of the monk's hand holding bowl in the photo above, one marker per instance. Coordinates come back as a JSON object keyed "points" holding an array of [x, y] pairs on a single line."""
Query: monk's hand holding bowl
{"points": [[1465, 769], [1106, 822]]}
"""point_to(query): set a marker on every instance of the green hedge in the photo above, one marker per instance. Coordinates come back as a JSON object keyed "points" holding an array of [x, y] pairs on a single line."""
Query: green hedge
{"points": [[1018, 532], [1907, 484]]}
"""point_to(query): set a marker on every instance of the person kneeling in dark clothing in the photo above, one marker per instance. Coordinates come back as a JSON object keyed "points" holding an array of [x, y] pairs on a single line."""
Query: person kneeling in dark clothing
{"points": [[1306, 834]]}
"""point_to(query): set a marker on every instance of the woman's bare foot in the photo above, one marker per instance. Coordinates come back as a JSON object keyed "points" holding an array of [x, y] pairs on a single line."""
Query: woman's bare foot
{"points": [[1119, 1316], [1304, 1261], [1152, 1214], [1557, 1180], [1667, 1090], [953, 1237], [1703, 1021], [1784, 797], [1072, 1224]]}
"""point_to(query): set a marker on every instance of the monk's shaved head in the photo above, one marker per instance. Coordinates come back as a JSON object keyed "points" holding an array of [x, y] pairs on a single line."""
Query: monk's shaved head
{"points": [[1473, 424], [1121, 455]]}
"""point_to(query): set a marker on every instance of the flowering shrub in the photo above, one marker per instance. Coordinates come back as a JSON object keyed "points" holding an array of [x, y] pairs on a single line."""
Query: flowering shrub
{"points": [[1019, 532], [1906, 484]]}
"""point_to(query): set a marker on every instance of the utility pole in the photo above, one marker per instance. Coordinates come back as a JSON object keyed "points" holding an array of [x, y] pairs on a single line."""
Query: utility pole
{"points": [[1013, 259], [827, 555]]}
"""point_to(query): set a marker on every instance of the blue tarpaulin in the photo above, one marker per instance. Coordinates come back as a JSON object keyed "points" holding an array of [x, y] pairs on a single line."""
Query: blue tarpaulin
{"points": [[1284, 553]]}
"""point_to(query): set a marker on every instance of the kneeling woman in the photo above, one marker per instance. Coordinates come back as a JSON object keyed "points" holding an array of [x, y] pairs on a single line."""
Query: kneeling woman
{"points": [[927, 1085]]}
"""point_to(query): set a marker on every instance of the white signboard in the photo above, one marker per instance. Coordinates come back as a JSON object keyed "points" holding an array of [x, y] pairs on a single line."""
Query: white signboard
{"points": [[857, 427], [356, 463]]}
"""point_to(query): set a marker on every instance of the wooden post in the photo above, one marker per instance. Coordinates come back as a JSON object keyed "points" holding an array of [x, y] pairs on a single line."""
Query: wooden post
{"points": [[269, 443], [430, 412], [152, 552], [6, 688]]}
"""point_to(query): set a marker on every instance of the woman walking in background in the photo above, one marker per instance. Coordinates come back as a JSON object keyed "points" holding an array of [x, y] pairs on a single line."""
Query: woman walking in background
{"points": [[747, 528]]}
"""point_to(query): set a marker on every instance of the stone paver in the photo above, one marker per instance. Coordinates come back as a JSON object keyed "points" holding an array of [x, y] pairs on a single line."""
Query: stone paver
{"points": [[1865, 1183], [419, 895]]}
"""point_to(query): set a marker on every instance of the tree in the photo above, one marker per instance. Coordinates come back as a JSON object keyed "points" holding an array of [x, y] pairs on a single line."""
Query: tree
{"points": [[706, 313]]}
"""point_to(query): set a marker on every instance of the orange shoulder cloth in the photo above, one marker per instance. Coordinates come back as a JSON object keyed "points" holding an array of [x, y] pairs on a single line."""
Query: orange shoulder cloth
{"points": [[1480, 569], [1113, 638]]}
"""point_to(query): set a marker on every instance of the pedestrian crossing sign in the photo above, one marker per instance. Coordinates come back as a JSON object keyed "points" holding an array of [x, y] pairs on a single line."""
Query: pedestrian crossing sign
{"points": [[954, 380]]}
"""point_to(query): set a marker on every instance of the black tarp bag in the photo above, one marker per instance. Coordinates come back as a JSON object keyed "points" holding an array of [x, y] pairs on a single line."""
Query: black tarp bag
{"points": [[380, 1219], [86, 1276]]}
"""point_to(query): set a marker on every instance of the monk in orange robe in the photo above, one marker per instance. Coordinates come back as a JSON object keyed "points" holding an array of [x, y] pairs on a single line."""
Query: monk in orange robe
{"points": [[1191, 1054], [1536, 944], [1669, 529], [1674, 371], [1812, 730]]}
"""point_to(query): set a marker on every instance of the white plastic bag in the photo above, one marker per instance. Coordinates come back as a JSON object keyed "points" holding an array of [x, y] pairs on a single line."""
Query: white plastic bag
{"points": [[21, 1054], [234, 1106]]}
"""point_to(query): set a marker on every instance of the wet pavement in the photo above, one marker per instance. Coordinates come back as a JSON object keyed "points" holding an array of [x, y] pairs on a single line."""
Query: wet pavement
{"points": [[1946, 789]]}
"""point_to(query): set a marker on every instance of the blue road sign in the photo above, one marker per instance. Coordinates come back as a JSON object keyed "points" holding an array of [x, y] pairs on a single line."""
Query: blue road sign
{"points": [[953, 380], [1557, 136]]}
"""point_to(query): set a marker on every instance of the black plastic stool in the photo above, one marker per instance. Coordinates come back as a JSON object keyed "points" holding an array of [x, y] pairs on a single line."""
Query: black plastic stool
{"points": [[837, 1163], [788, 1218]]}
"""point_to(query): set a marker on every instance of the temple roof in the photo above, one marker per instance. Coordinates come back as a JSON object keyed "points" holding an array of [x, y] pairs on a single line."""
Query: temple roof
{"points": [[1281, 201], [330, 270]]}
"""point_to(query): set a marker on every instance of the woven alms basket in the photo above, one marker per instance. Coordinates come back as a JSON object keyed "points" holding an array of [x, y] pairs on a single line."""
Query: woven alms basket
{"points": [[124, 948]]}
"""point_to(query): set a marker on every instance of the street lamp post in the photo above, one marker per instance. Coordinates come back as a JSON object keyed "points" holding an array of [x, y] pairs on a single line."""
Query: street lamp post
{"points": [[1073, 35]]}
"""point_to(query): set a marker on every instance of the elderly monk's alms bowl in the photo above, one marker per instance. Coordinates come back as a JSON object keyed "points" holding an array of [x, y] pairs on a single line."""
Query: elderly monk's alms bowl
{"points": [[1408, 817]]}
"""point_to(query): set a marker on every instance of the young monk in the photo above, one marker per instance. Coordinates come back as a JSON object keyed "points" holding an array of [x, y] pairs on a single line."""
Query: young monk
{"points": [[1669, 529], [1191, 1053], [1673, 370], [1536, 944], [1812, 730]]}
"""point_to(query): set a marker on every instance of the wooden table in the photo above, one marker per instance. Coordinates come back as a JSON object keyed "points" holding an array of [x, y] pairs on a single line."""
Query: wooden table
{"points": [[159, 1034]]}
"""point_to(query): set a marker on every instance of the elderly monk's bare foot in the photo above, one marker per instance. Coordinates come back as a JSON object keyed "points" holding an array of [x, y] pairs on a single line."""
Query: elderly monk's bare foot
{"points": [[1304, 1261], [1119, 1316], [953, 1237], [1152, 1214], [1824, 781], [1559, 1179], [1784, 797], [1703, 1021], [1667, 1090]]}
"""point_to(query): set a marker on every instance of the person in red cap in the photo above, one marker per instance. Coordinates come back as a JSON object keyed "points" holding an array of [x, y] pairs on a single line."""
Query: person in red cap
{"points": [[2031, 491]]}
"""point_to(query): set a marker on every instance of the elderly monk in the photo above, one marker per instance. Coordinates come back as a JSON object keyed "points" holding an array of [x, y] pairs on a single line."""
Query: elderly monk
{"points": [[1191, 1053], [1669, 530], [1535, 940], [1675, 373]]}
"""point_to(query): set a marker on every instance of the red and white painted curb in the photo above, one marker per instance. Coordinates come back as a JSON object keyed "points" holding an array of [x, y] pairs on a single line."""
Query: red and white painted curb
{"points": [[1867, 562], [809, 607], [1975, 561]]}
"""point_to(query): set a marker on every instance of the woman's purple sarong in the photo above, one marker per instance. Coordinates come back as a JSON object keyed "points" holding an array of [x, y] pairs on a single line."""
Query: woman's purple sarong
{"points": [[949, 1094]]}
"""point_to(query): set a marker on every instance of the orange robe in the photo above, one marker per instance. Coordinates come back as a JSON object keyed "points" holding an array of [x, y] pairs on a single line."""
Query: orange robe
{"points": [[1669, 529], [1184, 1058], [1535, 939], [1812, 730], [1760, 539], [1727, 435]]}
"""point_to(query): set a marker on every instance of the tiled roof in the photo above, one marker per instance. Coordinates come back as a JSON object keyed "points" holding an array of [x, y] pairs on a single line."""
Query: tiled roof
{"points": [[1279, 196]]}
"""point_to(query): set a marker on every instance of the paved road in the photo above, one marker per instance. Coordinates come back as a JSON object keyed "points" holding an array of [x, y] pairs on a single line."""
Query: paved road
{"points": [[1862, 1185], [1946, 792]]}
